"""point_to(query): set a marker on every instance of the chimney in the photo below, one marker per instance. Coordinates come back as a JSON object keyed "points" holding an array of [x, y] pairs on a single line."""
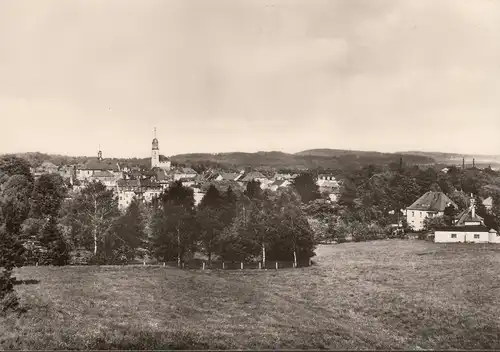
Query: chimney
{"points": [[473, 207]]}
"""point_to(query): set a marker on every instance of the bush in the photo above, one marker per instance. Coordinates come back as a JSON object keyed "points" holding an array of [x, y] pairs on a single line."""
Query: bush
{"points": [[80, 257], [9, 302], [8, 297]]}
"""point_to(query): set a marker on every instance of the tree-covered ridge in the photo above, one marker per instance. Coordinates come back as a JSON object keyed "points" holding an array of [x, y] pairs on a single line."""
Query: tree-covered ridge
{"points": [[324, 160]]}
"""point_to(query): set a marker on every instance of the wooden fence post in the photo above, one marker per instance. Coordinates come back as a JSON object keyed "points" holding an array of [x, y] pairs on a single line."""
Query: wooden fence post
{"points": [[223, 266], [276, 265], [203, 265], [260, 265], [163, 263], [36, 263], [241, 265]]}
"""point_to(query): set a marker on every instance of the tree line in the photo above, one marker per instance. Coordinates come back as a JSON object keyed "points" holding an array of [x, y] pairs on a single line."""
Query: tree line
{"points": [[373, 197], [40, 223]]}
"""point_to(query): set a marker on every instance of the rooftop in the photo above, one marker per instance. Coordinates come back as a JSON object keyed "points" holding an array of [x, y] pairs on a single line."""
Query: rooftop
{"points": [[432, 201]]}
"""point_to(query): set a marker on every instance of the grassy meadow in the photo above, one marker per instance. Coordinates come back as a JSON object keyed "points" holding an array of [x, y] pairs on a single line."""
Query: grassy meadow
{"points": [[398, 294]]}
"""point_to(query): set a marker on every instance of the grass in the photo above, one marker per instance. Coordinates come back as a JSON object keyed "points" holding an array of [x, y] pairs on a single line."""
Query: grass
{"points": [[393, 294]]}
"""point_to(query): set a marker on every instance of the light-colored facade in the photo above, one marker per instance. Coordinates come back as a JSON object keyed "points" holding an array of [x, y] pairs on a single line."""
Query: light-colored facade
{"points": [[468, 227], [431, 204]]}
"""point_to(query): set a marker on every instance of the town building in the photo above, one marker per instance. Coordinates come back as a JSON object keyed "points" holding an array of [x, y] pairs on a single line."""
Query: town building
{"points": [[185, 174], [467, 227], [141, 189], [431, 204], [488, 203], [86, 171], [274, 186]]}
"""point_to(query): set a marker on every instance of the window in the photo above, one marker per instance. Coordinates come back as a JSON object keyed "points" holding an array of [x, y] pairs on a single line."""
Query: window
{"points": [[476, 235], [412, 213], [453, 235]]}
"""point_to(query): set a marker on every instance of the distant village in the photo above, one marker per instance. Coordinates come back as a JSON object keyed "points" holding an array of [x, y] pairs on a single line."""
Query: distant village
{"points": [[129, 182]]}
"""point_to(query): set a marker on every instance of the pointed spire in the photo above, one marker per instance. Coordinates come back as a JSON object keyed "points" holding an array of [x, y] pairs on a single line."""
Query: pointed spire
{"points": [[154, 132]]}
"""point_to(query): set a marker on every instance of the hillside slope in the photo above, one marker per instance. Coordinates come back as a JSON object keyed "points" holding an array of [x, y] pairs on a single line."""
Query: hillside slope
{"points": [[327, 159]]}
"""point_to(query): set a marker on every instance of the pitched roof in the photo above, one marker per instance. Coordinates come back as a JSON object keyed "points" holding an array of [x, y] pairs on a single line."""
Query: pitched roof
{"points": [[488, 201], [188, 170], [279, 182], [97, 165], [229, 176], [102, 173], [128, 183], [252, 175], [432, 201], [466, 216]]}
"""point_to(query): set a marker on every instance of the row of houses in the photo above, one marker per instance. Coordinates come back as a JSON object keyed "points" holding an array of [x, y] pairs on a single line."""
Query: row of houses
{"points": [[131, 182]]}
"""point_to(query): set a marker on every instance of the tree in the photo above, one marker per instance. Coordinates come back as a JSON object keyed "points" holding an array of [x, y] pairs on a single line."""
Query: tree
{"points": [[127, 238], [14, 208], [178, 224], [306, 187], [12, 165], [48, 194], [236, 242], [91, 216], [56, 251], [253, 190], [210, 219], [434, 222], [348, 194], [293, 237], [449, 214]]}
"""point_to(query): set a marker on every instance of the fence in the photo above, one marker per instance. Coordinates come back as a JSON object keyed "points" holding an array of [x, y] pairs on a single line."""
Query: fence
{"points": [[197, 264]]}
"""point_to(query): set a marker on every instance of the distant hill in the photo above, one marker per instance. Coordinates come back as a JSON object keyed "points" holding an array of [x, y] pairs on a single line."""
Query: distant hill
{"points": [[481, 160], [327, 159], [316, 159]]}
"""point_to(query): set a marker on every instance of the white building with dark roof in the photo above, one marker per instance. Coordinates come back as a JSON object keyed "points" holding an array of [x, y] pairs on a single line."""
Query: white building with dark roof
{"points": [[431, 204], [467, 227]]}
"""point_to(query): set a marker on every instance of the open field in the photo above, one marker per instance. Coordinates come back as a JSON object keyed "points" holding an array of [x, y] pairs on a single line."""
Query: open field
{"points": [[385, 294]]}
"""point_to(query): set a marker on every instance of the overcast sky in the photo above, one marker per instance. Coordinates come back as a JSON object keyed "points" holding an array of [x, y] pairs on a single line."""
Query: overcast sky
{"points": [[249, 75]]}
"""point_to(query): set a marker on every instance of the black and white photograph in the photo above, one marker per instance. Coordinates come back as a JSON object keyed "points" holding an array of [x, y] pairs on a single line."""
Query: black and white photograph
{"points": [[249, 175]]}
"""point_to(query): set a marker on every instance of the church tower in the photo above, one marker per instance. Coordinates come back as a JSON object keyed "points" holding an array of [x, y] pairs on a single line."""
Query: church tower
{"points": [[155, 152], [99, 154]]}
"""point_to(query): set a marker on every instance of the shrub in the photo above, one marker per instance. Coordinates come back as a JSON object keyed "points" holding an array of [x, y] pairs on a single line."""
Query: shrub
{"points": [[8, 297]]}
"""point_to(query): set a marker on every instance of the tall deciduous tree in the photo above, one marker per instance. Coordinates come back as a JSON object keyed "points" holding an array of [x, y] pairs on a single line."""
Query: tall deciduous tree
{"points": [[14, 208], [56, 251], [48, 194], [306, 187], [178, 224], [91, 216], [210, 220], [128, 237]]}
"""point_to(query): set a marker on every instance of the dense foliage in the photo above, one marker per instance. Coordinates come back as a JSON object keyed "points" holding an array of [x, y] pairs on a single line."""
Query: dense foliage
{"points": [[373, 197]]}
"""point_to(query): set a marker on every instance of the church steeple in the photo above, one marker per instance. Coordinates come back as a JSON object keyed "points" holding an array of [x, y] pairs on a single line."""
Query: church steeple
{"points": [[155, 141]]}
